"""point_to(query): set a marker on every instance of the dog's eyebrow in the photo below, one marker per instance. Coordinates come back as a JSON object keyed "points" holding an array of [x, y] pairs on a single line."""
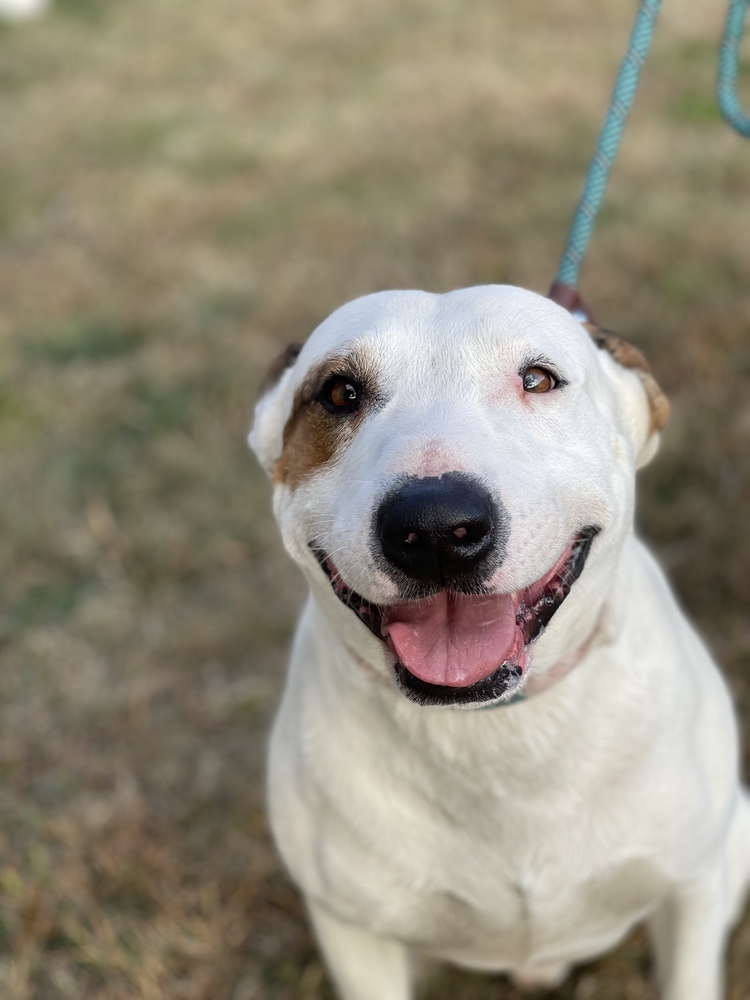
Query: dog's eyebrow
{"points": [[542, 361], [355, 363]]}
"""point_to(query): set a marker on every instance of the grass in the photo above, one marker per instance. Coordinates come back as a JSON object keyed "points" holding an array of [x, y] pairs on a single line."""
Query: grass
{"points": [[185, 188], [93, 340]]}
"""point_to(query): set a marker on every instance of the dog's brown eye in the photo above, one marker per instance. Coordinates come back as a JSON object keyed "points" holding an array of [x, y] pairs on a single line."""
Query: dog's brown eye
{"points": [[537, 380], [341, 395]]}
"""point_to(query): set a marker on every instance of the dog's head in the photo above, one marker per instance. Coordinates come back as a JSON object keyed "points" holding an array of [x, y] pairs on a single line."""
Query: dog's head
{"points": [[445, 468]]}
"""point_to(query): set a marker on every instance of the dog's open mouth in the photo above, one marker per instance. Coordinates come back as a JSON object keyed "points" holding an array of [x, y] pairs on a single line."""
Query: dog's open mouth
{"points": [[464, 649]]}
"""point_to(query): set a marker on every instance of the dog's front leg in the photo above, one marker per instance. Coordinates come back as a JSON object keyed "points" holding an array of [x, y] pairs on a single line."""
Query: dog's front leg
{"points": [[689, 935], [362, 965]]}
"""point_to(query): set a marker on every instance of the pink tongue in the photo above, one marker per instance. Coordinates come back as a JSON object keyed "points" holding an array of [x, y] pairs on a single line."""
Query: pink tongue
{"points": [[453, 639]]}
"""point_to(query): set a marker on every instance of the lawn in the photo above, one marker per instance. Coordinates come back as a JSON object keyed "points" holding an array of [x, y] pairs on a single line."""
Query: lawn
{"points": [[184, 188]]}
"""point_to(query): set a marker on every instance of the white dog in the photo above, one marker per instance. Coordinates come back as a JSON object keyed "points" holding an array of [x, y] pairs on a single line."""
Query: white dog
{"points": [[454, 474]]}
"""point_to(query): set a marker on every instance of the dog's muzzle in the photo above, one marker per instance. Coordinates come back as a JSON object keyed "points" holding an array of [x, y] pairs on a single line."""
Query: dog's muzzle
{"points": [[465, 648]]}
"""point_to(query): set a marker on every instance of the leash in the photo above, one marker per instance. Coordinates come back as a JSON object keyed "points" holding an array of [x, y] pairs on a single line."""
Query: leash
{"points": [[564, 289], [728, 61]]}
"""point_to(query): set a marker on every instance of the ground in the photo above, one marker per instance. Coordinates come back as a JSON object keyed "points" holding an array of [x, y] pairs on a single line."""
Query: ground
{"points": [[184, 188]]}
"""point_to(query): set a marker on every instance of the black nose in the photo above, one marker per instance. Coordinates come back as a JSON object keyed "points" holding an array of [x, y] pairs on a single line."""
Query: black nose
{"points": [[440, 529]]}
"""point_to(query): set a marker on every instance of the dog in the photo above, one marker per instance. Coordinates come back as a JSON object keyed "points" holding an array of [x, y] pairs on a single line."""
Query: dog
{"points": [[501, 744]]}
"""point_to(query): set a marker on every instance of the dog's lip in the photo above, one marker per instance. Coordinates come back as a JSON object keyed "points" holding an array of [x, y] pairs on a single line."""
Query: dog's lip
{"points": [[533, 607]]}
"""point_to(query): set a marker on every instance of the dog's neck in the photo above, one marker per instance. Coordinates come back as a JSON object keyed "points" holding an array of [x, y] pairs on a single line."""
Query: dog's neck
{"points": [[538, 683]]}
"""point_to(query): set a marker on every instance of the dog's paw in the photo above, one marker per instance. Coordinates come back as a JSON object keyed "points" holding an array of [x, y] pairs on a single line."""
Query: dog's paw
{"points": [[547, 977]]}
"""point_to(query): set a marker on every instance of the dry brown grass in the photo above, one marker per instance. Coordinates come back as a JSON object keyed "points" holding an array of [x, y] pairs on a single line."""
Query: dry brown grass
{"points": [[184, 187]]}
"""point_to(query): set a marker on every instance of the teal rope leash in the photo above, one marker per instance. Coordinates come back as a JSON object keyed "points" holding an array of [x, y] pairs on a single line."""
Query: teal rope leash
{"points": [[728, 60], [608, 143], [564, 288]]}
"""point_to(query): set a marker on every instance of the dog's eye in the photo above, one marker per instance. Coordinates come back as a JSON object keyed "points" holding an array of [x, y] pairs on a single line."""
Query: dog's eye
{"points": [[341, 394], [537, 380]]}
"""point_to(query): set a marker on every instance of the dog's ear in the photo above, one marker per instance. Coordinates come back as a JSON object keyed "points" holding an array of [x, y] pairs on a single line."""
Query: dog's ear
{"points": [[628, 356], [265, 438], [285, 359]]}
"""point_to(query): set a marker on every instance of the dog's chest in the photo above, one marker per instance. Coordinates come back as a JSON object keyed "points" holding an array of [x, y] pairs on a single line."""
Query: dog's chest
{"points": [[486, 891], [484, 839], [532, 922]]}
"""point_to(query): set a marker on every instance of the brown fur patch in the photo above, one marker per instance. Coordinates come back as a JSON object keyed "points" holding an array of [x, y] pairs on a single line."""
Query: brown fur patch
{"points": [[278, 366], [313, 436], [628, 355]]}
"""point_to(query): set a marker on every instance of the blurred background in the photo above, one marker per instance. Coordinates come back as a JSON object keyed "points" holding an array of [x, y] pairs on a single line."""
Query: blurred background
{"points": [[186, 186]]}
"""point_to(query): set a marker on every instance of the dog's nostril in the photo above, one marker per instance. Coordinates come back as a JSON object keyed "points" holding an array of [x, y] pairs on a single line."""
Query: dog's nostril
{"points": [[472, 531]]}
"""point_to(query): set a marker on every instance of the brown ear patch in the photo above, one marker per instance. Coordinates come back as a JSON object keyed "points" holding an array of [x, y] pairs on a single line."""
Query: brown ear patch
{"points": [[628, 355], [312, 435], [278, 366]]}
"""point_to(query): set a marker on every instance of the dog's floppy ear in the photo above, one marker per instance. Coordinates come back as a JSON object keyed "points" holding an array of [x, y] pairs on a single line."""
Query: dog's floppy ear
{"points": [[265, 438], [627, 355]]}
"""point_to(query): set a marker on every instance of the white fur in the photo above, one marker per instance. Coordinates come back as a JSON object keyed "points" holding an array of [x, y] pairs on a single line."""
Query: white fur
{"points": [[528, 837], [21, 10]]}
